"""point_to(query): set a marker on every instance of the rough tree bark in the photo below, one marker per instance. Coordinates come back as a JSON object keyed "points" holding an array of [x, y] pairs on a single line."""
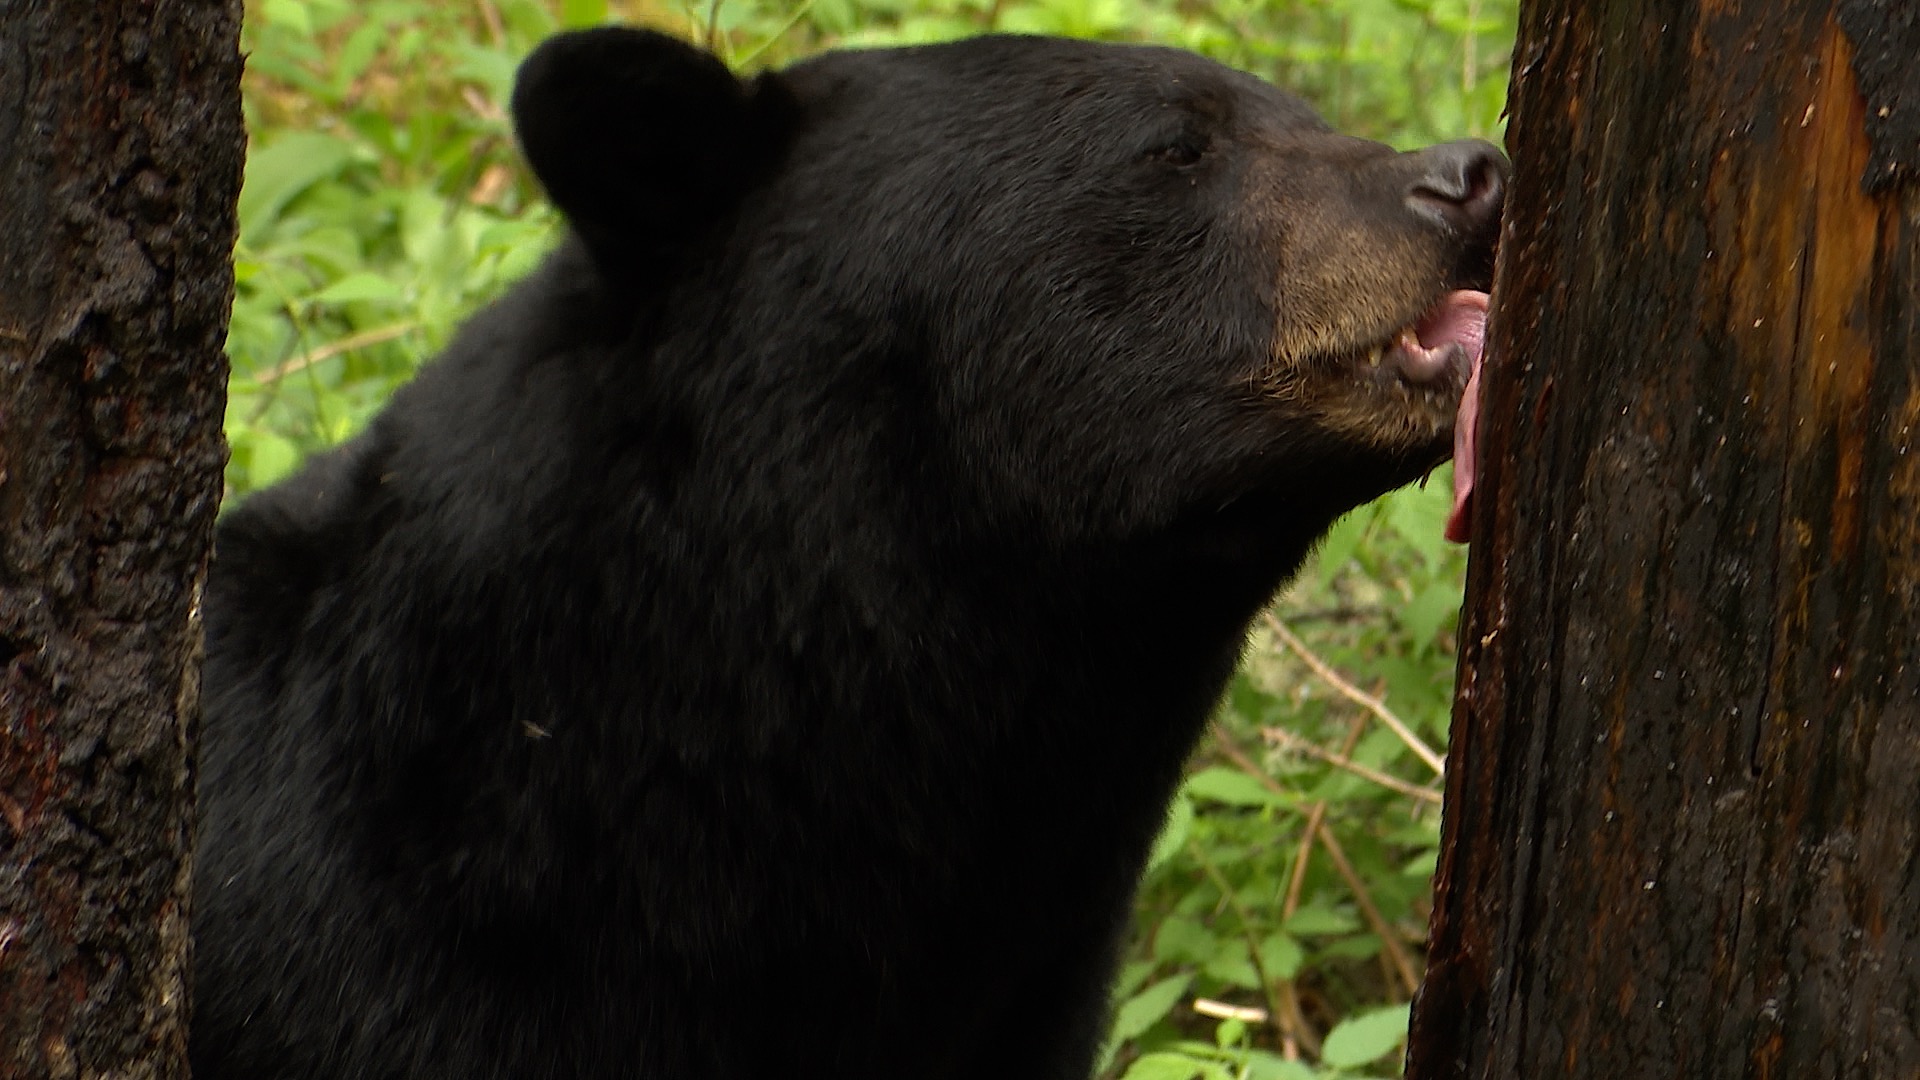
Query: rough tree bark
{"points": [[120, 160], [1683, 806]]}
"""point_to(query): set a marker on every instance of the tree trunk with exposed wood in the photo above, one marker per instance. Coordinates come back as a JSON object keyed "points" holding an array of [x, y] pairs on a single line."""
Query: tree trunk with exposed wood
{"points": [[1683, 806], [120, 159]]}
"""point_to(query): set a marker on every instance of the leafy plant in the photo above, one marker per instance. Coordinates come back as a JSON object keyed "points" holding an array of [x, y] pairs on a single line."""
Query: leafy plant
{"points": [[1280, 928]]}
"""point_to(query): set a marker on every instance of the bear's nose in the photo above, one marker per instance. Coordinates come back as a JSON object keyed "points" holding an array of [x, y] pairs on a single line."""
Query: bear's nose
{"points": [[1460, 185]]}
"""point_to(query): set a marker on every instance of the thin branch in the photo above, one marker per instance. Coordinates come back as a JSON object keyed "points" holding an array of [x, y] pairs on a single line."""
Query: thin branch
{"points": [[1341, 613], [1226, 1010], [1345, 763], [1389, 938], [1316, 818], [486, 109], [1297, 1036], [1357, 696], [1240, 912], [1296, 1032], [496, 26], [332, 349]]}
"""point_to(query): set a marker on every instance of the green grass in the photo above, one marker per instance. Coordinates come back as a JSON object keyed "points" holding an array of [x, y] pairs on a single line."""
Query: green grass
{"points": [[1284, 916]]}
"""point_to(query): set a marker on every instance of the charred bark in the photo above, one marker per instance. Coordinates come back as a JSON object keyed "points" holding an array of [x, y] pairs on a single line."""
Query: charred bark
{"points": [[1683, 806], [120, 161]]}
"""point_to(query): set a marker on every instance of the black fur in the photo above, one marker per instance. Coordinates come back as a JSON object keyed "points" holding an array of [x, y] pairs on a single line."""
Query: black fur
{"points": [[765, 643]]}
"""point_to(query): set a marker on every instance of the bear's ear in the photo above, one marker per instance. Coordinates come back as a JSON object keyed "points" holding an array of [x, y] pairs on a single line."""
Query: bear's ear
{"points": [[641, 139]]}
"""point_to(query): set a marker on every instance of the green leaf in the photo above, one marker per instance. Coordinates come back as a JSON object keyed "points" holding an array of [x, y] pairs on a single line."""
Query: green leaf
{"points": [[578, 13], [528, 20], [279, 171], [351, 59], [1232, 787], [1281, 956], [1364, 1038], [1165, 1066], [1147, 1008], [1261, 1065], [1429, 610], [1232, 964], [1336, 550], [492, 69], [1183, 939], [291, 14], [1419, 513], [1132, 975], [268, 457], [360, 287], [1422, 866], [423, 227], [1312, 920], [1173, 835], [1356, 947]]}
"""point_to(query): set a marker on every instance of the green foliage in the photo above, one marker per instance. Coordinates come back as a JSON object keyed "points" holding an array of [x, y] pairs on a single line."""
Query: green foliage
{"points": [[384, 202], [1368, 1037]]}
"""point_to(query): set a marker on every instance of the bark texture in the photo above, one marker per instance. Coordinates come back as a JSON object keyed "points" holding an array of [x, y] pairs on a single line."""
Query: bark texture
{"points": [[1683, 806], [120, 160]]}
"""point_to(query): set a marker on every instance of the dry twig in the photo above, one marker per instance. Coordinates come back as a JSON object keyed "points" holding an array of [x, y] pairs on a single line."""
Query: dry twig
{"points": [[1341, 761], [1356, 695], [1389, 938], [332, 349], [1316, 819]]}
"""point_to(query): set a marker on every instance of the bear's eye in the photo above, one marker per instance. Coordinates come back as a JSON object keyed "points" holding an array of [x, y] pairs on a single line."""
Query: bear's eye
{"points": [[1185, 150]]}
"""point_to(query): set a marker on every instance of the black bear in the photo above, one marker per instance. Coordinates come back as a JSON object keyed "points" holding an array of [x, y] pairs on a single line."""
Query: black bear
{"points": [[766, 642]]}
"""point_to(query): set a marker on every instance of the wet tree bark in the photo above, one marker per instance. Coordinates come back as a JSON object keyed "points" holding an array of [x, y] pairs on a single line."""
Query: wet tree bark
{"points": [[120, 161], [1683, 806]]}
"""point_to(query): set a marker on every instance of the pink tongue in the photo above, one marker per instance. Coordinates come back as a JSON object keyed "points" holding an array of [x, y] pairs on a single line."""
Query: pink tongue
{"points": [[1459, 521], [1461, 318]]}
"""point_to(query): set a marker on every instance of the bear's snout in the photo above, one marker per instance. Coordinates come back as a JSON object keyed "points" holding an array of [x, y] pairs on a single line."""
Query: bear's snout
{"points": [[1462, 188], [1461, 185]]}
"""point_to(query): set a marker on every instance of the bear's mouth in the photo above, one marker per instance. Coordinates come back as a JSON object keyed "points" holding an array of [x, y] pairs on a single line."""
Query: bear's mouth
{"points": [[1438, 351], [1429, 358], [1412, 391], [1441, 351]]}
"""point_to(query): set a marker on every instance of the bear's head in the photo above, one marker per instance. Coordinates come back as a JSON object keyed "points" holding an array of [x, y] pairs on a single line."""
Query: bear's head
{"points": [[1090, 294]]}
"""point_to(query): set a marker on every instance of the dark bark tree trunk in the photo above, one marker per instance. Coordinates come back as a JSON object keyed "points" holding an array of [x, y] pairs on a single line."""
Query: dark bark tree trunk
{"points": [[1683, 805], [120, 161]]}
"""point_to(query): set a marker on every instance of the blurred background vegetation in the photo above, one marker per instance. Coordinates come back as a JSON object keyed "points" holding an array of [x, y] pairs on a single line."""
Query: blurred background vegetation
{"points": [[1281, 929]]}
